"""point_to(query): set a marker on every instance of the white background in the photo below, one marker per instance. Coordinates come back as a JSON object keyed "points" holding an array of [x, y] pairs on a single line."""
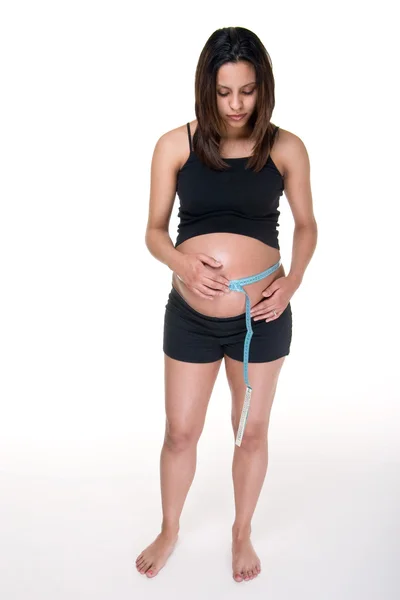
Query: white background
{"points": [[87, 88]]}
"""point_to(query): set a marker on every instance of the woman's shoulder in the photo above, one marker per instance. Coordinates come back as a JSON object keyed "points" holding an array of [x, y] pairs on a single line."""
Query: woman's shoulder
{"points": [[179, 133], [288, 136], [289, 148], [175, 142]]}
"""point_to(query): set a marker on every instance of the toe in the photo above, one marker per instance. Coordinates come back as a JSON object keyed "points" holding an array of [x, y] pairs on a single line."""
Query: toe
{"points": [[150, 572], [146, 567], [238, 577]]}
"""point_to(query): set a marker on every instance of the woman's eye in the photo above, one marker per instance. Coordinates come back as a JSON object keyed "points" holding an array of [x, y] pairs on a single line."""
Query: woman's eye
{"points": [[245, 93]]}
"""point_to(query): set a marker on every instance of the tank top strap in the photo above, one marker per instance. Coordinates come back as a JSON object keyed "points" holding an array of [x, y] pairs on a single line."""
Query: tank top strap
{"points": [[190, 137]]}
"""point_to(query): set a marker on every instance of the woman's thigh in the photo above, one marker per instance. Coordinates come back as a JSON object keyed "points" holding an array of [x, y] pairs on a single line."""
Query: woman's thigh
{"points": [[193, 357], [188, 389], [264, 379]]}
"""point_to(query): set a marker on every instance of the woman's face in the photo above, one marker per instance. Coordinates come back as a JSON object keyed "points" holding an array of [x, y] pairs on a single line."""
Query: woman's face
{"points": [[236, 93]]}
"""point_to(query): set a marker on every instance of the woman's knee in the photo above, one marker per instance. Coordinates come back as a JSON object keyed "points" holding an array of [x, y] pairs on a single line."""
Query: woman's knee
{"points": [[255, 433], [179, 436]]}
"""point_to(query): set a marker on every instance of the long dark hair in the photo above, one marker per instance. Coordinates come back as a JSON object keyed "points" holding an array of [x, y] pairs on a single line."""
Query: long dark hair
{"points": [[232, 44]]}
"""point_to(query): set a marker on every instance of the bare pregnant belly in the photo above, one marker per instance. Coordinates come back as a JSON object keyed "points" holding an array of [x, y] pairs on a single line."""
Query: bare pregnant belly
{"points": [[241, 256]]}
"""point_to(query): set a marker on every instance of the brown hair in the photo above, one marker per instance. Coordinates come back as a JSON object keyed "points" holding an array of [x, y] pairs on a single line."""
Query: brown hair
{"points": [[232, 44]]}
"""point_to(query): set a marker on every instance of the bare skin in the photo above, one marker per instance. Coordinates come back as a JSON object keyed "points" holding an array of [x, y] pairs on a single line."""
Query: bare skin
{"points": [[154, 557], [188, 388], [246, 564], [250, 460]]}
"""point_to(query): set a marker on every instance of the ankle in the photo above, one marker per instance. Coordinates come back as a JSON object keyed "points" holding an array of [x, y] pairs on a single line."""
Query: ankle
{"points": [[169, 529], [241, 531]]}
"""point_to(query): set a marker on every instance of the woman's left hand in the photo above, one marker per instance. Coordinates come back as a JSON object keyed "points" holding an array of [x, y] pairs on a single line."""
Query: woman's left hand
{"points": [[278, 296]]}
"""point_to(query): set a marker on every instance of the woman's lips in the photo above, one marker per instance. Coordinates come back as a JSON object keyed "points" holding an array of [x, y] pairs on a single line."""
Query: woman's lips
{"points": [[236, 117]]}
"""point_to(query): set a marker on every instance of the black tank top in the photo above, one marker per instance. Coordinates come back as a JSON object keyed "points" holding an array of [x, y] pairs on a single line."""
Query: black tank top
{"points": [[236, 200]]}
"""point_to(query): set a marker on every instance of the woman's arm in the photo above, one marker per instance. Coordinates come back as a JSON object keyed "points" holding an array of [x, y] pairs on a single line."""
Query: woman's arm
{"points": [[299, 196], [304, 243], [296, 173], [164, 168], [160, 245]]}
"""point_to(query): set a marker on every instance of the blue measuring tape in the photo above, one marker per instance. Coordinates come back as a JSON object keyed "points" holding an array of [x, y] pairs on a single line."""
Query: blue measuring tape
{"points": [[236, 286]]}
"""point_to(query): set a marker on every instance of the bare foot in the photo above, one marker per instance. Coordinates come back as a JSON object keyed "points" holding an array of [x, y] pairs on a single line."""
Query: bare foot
{"points": [[245, 562], [154, 557]]}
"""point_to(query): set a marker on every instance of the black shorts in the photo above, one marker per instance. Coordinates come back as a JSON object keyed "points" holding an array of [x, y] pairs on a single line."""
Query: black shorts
{"points": [[193, 337]]}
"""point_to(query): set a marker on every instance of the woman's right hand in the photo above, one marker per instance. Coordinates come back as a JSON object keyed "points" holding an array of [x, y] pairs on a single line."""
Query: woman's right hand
{"points": [[194, 270]]}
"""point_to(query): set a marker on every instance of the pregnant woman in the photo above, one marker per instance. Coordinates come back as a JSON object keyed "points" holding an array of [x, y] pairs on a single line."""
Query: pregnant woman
{"points": [[230, 295]]}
